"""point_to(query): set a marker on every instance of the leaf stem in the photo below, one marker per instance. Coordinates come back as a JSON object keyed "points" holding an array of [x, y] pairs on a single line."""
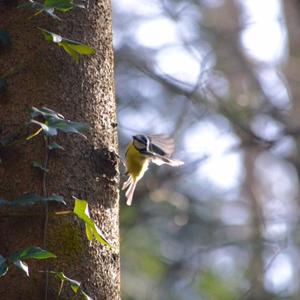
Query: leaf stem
{"points": [[46, 158]]}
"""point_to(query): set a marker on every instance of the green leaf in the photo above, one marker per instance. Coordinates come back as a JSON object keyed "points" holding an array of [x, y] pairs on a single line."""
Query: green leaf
{"points": [[31, 4], [29, 199], [3, 266], [54, 146], [55, 121], [3, 85], [73, 48], [5, 38], [49, 131], [29, 253], [70, 51], [34, 198], [81, 210], [56, 198], [22, 266], [68, 126], [89, 231], [38, 165], [75, 285], [50, 36], [33, 253], [79, 47], [61, 5], [85, 296], [45, 112], [40, 8]]}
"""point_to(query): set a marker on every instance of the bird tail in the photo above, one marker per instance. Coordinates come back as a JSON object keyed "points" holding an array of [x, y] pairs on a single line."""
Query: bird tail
{"points": [[130, 185]]}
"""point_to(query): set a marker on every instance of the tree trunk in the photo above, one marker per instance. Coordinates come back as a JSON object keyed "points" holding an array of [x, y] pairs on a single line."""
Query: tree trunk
{"points": [[40, 74]]}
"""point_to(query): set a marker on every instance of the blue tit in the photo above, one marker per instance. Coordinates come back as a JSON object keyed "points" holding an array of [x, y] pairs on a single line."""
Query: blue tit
{"points": [[142, 150]]}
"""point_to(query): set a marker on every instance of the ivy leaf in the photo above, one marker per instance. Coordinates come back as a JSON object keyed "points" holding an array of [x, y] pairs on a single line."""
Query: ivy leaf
{"points": [[68, 126], [85, 296], [3, 266], [31, 4], [62, 5], [75, 285], [50, 6], [49, 131], [40, 8], [81, 210], [73, 48], [29, 253], [29, 199], [3, 85], [22, 266], [38, 165], [89, 232], [56, 198], [54, 146], [33, 253], [45, 112], [5, 38], [54, 122]]}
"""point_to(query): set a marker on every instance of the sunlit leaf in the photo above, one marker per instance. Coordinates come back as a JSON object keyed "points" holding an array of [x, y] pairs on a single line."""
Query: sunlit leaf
{"points": [[55, 121], [89, 231], [49, 131], [40, 8], [32, 252], [3, 266], [21, 265], [45, 112], [34, 134], [31, 4], [79, 47], [62, 5], [38, 165], [29, 253], [75, 285], [81, 210], [50, 36], [73, 48], [85, 296], [67, 126], [70, 51], [54, 146]]}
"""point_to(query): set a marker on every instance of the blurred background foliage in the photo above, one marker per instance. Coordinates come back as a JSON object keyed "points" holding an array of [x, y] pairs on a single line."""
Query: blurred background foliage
{"points": [[222, 78]]}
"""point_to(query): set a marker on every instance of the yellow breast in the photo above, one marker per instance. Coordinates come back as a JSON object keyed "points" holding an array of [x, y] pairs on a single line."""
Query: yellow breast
{"points": [[136, 163]]}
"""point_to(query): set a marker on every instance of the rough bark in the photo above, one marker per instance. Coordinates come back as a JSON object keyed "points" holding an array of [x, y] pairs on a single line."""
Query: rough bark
{"points": [[44, 75]]}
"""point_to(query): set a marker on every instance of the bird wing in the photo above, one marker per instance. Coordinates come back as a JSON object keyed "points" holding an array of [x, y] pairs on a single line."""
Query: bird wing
{"points": [[161, 144]]}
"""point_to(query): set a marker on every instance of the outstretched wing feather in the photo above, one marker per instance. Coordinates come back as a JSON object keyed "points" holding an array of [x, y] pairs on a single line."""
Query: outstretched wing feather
{"points": [[161, 145]]}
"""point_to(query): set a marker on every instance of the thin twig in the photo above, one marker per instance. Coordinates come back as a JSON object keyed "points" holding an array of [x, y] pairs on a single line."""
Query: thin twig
{"points": [[46, 158]]}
